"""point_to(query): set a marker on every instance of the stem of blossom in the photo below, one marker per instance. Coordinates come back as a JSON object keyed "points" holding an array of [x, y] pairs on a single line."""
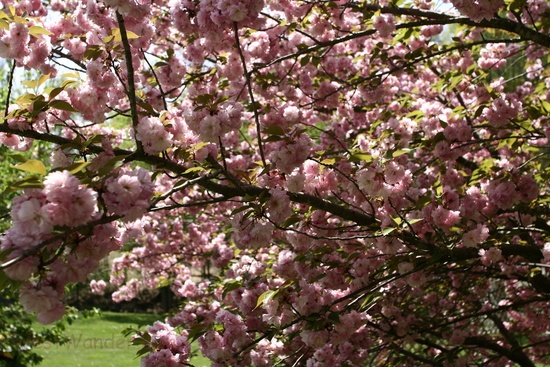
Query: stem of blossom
{"points": [[250, 93], [162, 94], [130, 75]]}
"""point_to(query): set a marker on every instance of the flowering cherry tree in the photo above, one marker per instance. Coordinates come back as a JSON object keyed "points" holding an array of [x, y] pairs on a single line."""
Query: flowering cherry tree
{"points": [[320, 183]]}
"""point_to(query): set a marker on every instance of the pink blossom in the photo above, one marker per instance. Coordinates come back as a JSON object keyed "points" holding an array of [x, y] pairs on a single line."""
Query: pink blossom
{"points": [[445, 218], [503, 194], [52, 315], [15, 142], [527, 188], [30, 216], [314, 339], [160, 358], [70, 203], [212, 346], [457, 337], [44, 300], [502, 111], [546, 252], [153, 135], [478, 9], [60, 186], [476, 236], [14, 43], [251, 233], [490, 256], [384, 24], [288, 156], [129, 193], [22, 269], [98, 286], [278, 206]]}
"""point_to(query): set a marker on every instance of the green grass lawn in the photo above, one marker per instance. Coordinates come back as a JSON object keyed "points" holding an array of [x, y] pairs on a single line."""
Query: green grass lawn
{"points": [[98, 342]]}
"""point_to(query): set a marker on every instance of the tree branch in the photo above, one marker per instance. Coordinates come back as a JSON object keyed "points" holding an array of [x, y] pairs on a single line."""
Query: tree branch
{"points": [[514, 355], [10, 86], [130, 76]]}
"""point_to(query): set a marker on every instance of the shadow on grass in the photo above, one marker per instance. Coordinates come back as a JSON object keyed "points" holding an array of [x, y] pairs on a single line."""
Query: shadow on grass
{"points": [[129, 318]]}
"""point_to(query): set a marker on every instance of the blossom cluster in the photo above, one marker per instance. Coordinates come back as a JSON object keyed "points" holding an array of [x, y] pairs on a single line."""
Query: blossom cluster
{"points": [[172, 349], [128, 193]]}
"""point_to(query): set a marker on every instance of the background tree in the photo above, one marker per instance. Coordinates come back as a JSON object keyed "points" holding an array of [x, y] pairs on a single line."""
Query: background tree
{"points": [[321, 183]]}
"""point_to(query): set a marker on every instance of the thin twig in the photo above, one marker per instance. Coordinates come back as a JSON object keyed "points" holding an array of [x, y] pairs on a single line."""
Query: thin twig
{"points": [[250, 93], [157, 80]]}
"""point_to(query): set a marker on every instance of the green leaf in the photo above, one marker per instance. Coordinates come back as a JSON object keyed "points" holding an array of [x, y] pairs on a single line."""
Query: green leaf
{"points": [[108, 167], [39, 106], [37, 30], [362, 157], [370, 299], [43, 78], [4, 25], [32, 166], [77, 167], [54, 92], [93, 52], [416, 220], [292, 220], [31, 182], [146, 349], [4, 280], [193, 169], [266, 296], [328, 161], [203, 99], [108, 39], [334, 317], [545, 106], [62, 105], [386, 231], [240, 209], [231, 285], [196, 331], [398, 153], [117, 37], [18, 157], [274, 130], [147, 107]]}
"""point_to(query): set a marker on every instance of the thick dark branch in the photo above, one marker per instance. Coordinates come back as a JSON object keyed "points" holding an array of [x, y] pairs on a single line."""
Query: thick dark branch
{"points": [[514, 355], [130, 75], [10, 86], [207, 182], [526, 33], [509, 25], [530, 253], [505, 24]]}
